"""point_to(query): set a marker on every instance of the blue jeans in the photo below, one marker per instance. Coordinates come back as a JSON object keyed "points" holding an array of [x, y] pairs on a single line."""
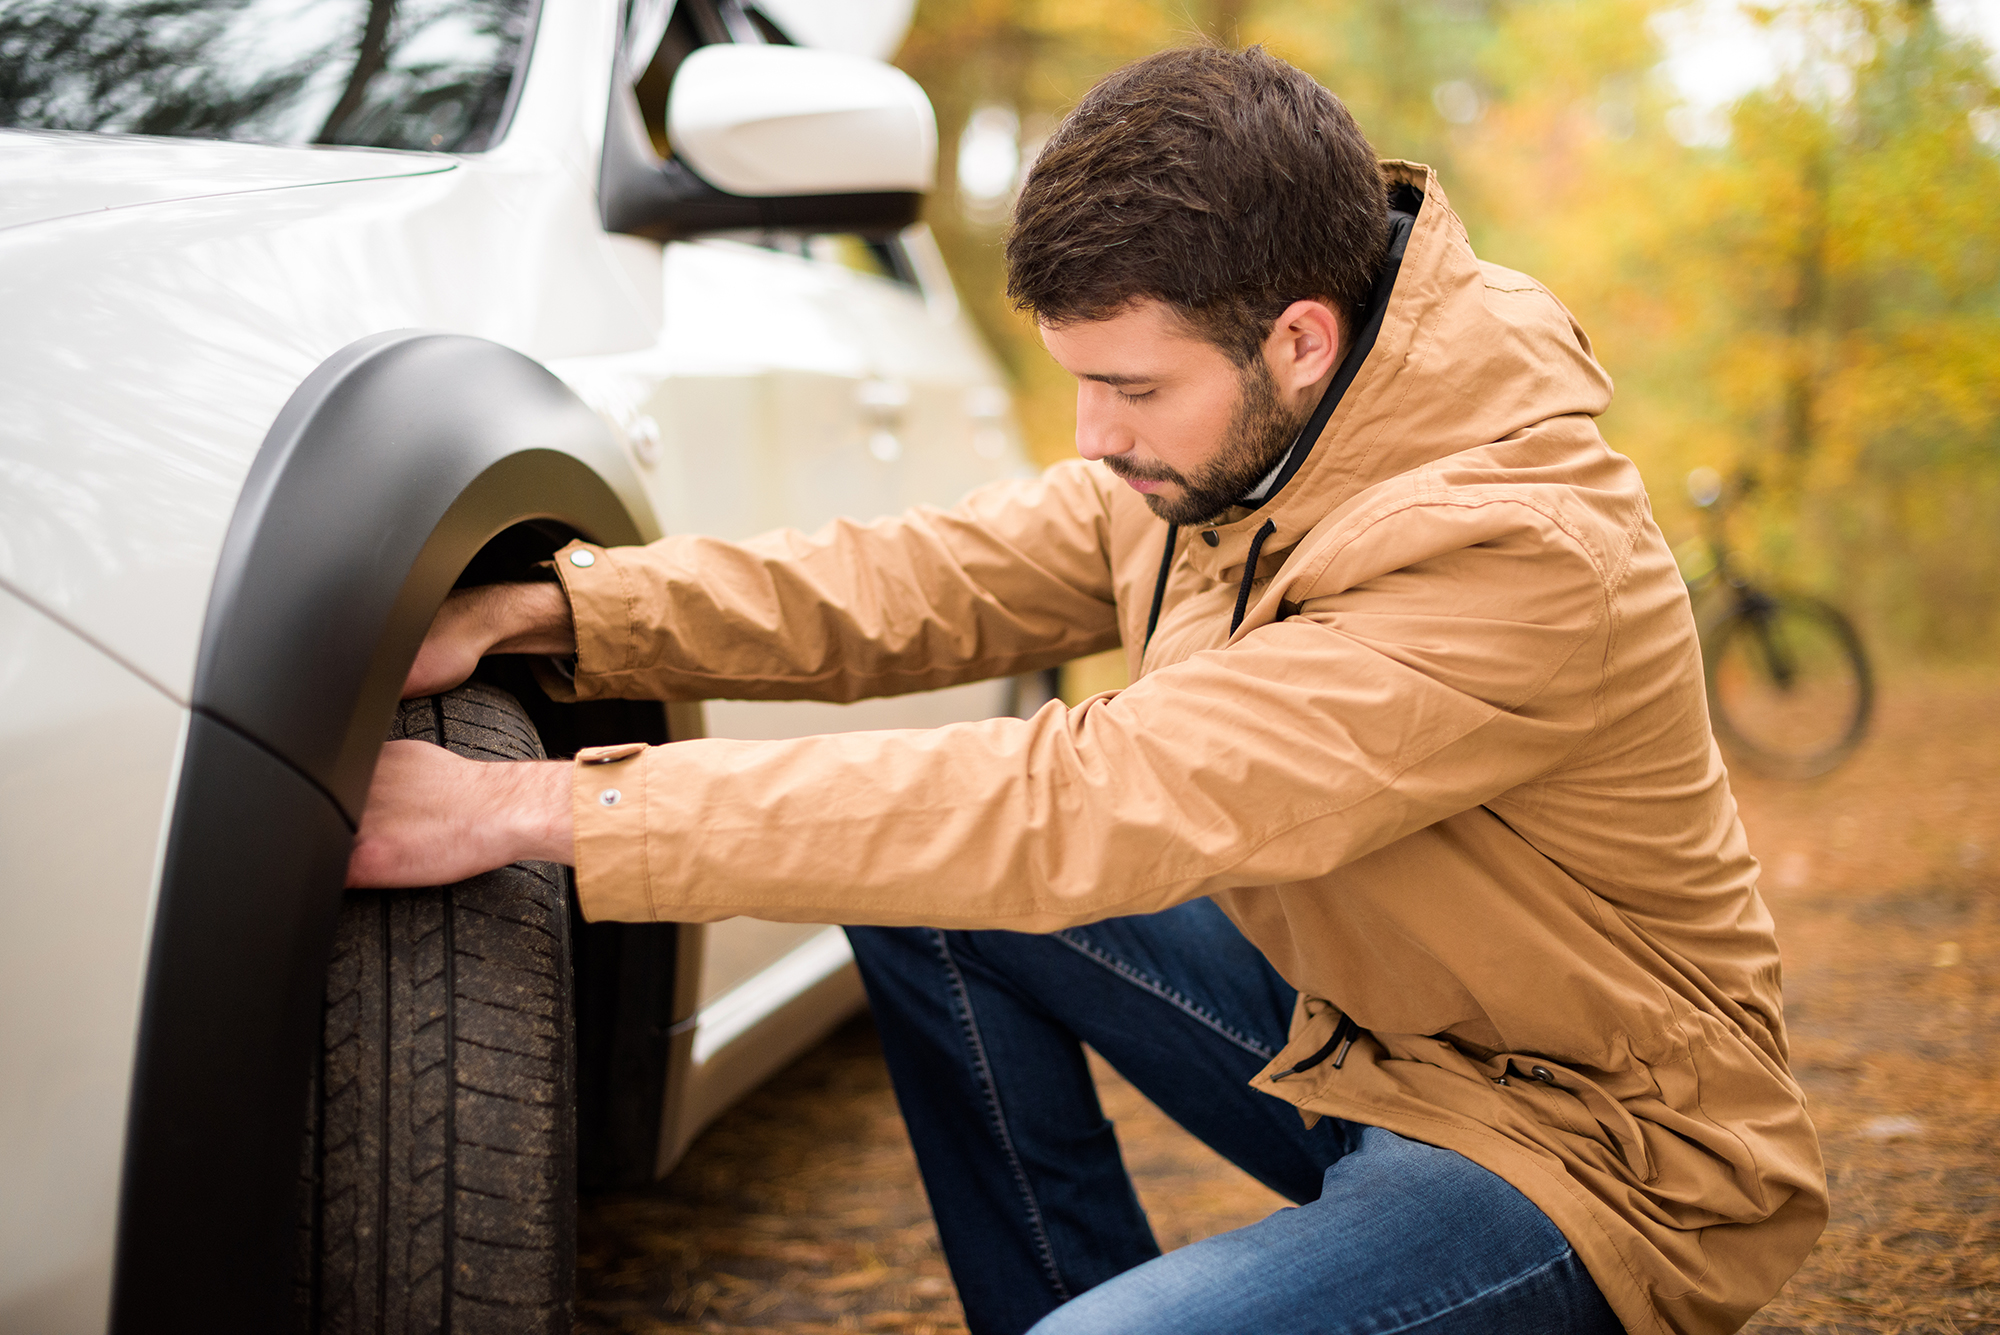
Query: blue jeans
{"points": [[983, 1032]]}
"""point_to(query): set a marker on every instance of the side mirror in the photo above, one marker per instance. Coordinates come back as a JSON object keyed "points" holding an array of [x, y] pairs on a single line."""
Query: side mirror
{"points": [[773, 137], [785, 120]]}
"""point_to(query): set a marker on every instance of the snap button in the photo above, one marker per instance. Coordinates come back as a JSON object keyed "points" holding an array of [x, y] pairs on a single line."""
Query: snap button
{"points": [[609, 797], [582, 559], [1543, 1074], [1208, 536]]}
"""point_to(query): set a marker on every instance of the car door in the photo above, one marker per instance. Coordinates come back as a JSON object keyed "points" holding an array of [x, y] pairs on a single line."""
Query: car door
{"points": [[797, 378]]}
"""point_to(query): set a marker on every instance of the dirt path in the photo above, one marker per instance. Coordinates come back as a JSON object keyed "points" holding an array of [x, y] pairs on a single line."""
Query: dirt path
{"points": [[1885, 879], [801, 1212]]}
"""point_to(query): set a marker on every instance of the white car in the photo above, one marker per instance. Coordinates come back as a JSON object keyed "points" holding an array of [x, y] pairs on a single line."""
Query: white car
{"points": [[309, 311]]}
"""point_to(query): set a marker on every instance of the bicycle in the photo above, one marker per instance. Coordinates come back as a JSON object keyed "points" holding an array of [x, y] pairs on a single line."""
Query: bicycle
{"points": [[1790, 691]]}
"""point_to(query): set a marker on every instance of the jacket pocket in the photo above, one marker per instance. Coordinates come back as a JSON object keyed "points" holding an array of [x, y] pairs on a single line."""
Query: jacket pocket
{"points": [[1581, 1103]]}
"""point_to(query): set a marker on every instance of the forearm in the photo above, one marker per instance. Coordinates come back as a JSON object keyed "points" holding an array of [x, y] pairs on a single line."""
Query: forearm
{"points": [[489, 619], [1229, 770], [535, 618], [1016, 578]]}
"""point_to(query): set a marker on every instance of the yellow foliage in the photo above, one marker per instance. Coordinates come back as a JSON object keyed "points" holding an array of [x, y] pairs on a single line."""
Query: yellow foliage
{"points": [[1814, 304]]}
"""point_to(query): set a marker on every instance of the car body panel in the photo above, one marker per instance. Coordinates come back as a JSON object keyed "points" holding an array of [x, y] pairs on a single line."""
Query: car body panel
{"points": [[759, 1026], [58, 174], [86, 779], [200, 317], [772, 381], [734, 957]]}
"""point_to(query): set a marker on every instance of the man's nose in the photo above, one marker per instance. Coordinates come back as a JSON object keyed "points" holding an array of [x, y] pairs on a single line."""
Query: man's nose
{"points": [[1098, 433]]}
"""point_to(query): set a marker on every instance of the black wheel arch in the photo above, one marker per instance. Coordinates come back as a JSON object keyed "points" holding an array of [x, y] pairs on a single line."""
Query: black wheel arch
{"points": [[392, 466]]}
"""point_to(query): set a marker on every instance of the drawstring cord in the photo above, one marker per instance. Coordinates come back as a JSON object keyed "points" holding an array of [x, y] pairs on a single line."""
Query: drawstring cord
{"points": [[1242, 593], [1160, 587], [1336, 1047], [1249, 574], [1400, 225]]}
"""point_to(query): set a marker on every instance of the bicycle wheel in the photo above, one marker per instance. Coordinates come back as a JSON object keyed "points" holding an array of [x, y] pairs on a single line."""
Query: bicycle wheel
{"points": [[1789, 689]]}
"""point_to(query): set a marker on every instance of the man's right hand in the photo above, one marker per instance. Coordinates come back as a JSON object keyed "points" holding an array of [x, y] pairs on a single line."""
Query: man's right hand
{"points": [[490, 619]]}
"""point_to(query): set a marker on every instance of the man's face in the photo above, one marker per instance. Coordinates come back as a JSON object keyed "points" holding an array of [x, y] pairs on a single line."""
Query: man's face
{"points": [[1168, 412]]}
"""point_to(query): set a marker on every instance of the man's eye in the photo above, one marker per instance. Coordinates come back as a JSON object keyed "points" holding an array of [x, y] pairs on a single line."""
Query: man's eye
{"points": [[1132, 398]]}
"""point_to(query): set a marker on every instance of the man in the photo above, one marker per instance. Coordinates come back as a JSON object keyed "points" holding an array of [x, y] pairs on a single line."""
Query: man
{"points": [[1450, 931]]}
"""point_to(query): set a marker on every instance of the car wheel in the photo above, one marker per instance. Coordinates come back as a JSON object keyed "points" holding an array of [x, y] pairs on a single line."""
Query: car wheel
{"points": [[440, 1156]]}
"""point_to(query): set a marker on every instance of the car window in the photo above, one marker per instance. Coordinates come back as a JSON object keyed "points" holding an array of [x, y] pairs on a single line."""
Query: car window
{"points": [[416, 74]]}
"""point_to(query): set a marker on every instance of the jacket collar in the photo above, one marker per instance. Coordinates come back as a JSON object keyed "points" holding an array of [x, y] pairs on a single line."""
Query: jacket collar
{"points": [[1330, 464], [1401, 221]]}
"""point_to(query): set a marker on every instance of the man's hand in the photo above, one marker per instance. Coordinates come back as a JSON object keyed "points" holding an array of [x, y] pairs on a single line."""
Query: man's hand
{"points": [[490, 619], [434, 818]]}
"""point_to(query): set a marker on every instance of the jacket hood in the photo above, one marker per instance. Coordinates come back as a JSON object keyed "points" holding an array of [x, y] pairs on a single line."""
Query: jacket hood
{"points": [[1511, 364]]}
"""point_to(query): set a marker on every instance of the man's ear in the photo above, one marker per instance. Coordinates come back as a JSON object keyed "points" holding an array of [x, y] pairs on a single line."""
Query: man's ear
{"points": [[1304, 346]]}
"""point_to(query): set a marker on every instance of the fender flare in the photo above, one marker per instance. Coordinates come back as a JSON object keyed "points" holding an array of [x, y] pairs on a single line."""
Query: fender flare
{"points": [[388, 469]]}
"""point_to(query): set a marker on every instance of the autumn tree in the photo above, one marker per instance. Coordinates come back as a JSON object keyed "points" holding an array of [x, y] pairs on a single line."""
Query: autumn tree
{"points": [[1805, 292]]}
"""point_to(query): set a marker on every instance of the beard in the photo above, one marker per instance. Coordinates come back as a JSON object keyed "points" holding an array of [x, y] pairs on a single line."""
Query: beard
{"points": [[1260, 430]]}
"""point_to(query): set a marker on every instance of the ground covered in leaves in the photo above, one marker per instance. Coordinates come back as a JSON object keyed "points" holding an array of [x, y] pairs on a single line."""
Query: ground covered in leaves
{"points": [[801, 1210]]}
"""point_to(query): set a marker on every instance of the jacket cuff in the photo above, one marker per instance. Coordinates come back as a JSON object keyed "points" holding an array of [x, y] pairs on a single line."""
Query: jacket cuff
{"points": [[600, 605], [608, 800]]}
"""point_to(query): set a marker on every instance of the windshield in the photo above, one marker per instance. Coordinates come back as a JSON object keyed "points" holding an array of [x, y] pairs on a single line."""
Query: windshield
{"points": [[420, 74]]}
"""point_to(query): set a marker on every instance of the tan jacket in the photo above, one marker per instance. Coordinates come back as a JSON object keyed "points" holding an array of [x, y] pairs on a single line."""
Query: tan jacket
{"points": [[1453, 775]]}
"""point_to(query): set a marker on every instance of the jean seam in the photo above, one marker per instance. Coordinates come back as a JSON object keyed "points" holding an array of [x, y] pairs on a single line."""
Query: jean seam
{"points": [[1512, 1282], [1178, 1001], [969, 1026]]}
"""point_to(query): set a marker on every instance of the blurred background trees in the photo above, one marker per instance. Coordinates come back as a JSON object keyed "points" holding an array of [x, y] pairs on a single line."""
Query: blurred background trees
{"points": [[1798, 287]]}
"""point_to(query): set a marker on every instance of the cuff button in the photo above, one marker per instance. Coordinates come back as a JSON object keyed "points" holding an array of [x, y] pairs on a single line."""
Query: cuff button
{"points": [[609, 797], [582, 559]]}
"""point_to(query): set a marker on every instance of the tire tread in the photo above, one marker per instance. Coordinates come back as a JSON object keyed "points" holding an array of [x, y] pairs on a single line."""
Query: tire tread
{"points": [[440, 1180]]}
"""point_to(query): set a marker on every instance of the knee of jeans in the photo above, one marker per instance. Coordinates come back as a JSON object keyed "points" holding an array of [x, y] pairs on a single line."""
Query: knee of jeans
{"points": [[1193, 1289], [1077, 1317]]}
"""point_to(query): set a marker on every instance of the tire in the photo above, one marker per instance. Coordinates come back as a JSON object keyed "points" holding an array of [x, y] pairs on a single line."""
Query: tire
{"points": [[1790, 692], [440, 1156]]}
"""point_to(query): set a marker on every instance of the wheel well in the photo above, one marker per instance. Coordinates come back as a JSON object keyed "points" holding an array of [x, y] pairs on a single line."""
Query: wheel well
{"points": [[404, 463]]}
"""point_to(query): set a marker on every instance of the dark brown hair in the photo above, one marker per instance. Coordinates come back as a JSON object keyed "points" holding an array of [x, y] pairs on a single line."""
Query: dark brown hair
{"points": [[1226, 184]]}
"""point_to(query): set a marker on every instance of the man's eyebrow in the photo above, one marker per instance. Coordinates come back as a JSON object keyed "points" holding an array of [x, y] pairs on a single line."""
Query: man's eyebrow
{"points": [[1112, 379]]}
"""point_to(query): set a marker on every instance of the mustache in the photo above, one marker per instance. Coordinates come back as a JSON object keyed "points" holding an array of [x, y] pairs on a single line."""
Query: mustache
{"points": [[1126, 468]]}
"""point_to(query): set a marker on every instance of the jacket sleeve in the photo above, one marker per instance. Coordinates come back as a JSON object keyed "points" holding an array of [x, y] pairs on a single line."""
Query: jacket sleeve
{"points": [[1014, 578], [1302, 745]]}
